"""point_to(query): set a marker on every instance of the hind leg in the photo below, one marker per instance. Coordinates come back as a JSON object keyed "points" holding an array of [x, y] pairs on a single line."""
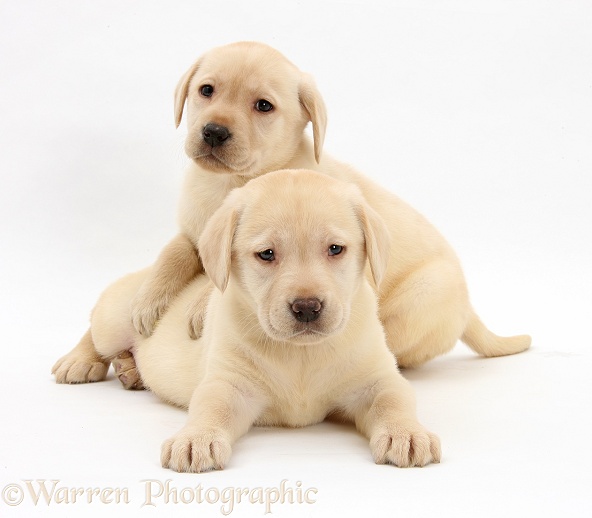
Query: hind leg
{"points": [[111, 334], [426, 313], [126, 370], [83, 364], [113, 331]]}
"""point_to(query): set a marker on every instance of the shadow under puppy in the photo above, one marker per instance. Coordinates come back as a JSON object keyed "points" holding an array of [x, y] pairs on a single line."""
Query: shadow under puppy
{"points": [[291, 334]]}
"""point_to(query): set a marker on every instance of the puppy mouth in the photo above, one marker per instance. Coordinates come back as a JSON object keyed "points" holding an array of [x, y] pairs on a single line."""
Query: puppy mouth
{"points": [[287, 323], [213, 161], [305, 334]]}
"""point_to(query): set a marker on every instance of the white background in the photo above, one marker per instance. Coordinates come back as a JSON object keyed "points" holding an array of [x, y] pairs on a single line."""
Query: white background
{"points": [[477, 113]]}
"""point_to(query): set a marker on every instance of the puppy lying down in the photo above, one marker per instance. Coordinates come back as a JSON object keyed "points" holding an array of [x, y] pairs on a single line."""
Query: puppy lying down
{"points": [[291, 333], [247, 107]]}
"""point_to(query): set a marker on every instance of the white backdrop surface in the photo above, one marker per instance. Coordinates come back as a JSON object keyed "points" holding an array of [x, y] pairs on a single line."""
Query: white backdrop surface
{"points": [[477, 113]]}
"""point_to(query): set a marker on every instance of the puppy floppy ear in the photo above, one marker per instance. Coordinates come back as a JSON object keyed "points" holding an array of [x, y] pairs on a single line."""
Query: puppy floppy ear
{"points": [[181, 91], [215, 242], [376, 237], [311, 100]]}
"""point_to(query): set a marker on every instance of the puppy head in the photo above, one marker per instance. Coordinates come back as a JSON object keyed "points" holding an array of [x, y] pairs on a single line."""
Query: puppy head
{"points": [[247, 107], [294, 244]]}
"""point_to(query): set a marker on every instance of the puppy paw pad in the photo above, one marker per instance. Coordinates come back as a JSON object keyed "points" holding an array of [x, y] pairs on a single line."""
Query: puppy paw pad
{"points": [[125, 369]]}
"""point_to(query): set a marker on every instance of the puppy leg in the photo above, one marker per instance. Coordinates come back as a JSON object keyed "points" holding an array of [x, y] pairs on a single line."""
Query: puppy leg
{"points": [[196, 311], [385, 413], [83, 364], [177, 264], [113, 332], [126, 371], [425, 315], [219, 413], [110, 334]]}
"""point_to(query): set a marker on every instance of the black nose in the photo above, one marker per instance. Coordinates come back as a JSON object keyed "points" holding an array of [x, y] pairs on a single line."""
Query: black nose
{"points": [[306, 310], [214, 134]]}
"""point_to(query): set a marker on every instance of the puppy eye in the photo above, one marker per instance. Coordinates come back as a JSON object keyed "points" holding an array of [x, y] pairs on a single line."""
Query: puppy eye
{"points": [[263, 106], [206, 90], [266, 255], [335, 249]]}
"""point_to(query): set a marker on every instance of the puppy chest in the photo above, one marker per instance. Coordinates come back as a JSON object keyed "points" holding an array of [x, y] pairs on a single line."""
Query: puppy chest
{"points": [[297, 403]]}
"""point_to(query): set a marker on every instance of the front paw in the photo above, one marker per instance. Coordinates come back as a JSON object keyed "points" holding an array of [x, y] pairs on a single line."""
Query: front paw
{"points": [[196, 450], [405, 444], [197, 309], [195, 319], [145, 314]]}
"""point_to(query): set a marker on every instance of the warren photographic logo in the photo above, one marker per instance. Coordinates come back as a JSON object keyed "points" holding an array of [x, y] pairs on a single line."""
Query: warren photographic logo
{"points": [[156, 493]]}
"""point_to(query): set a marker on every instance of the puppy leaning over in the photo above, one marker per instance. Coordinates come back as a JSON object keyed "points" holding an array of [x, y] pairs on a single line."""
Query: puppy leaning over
{"points": [[291, 333], [247, 109]]}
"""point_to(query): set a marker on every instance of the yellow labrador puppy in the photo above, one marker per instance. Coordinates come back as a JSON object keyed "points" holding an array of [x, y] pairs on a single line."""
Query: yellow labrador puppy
{"points": [[291, 333], [247, 109]]}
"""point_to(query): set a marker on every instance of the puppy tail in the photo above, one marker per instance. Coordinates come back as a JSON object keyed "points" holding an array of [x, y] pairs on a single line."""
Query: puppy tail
{"points": [[486, 343]]}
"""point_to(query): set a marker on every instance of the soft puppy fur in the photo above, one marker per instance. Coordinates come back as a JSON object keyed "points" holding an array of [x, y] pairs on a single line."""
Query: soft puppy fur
{"points": [[424, 303], [291, 333], [247, 107]]}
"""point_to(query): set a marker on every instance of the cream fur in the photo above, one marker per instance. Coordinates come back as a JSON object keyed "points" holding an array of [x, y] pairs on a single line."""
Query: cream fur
{"points": [[255, 363], [424, 303], [423, 299]]}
